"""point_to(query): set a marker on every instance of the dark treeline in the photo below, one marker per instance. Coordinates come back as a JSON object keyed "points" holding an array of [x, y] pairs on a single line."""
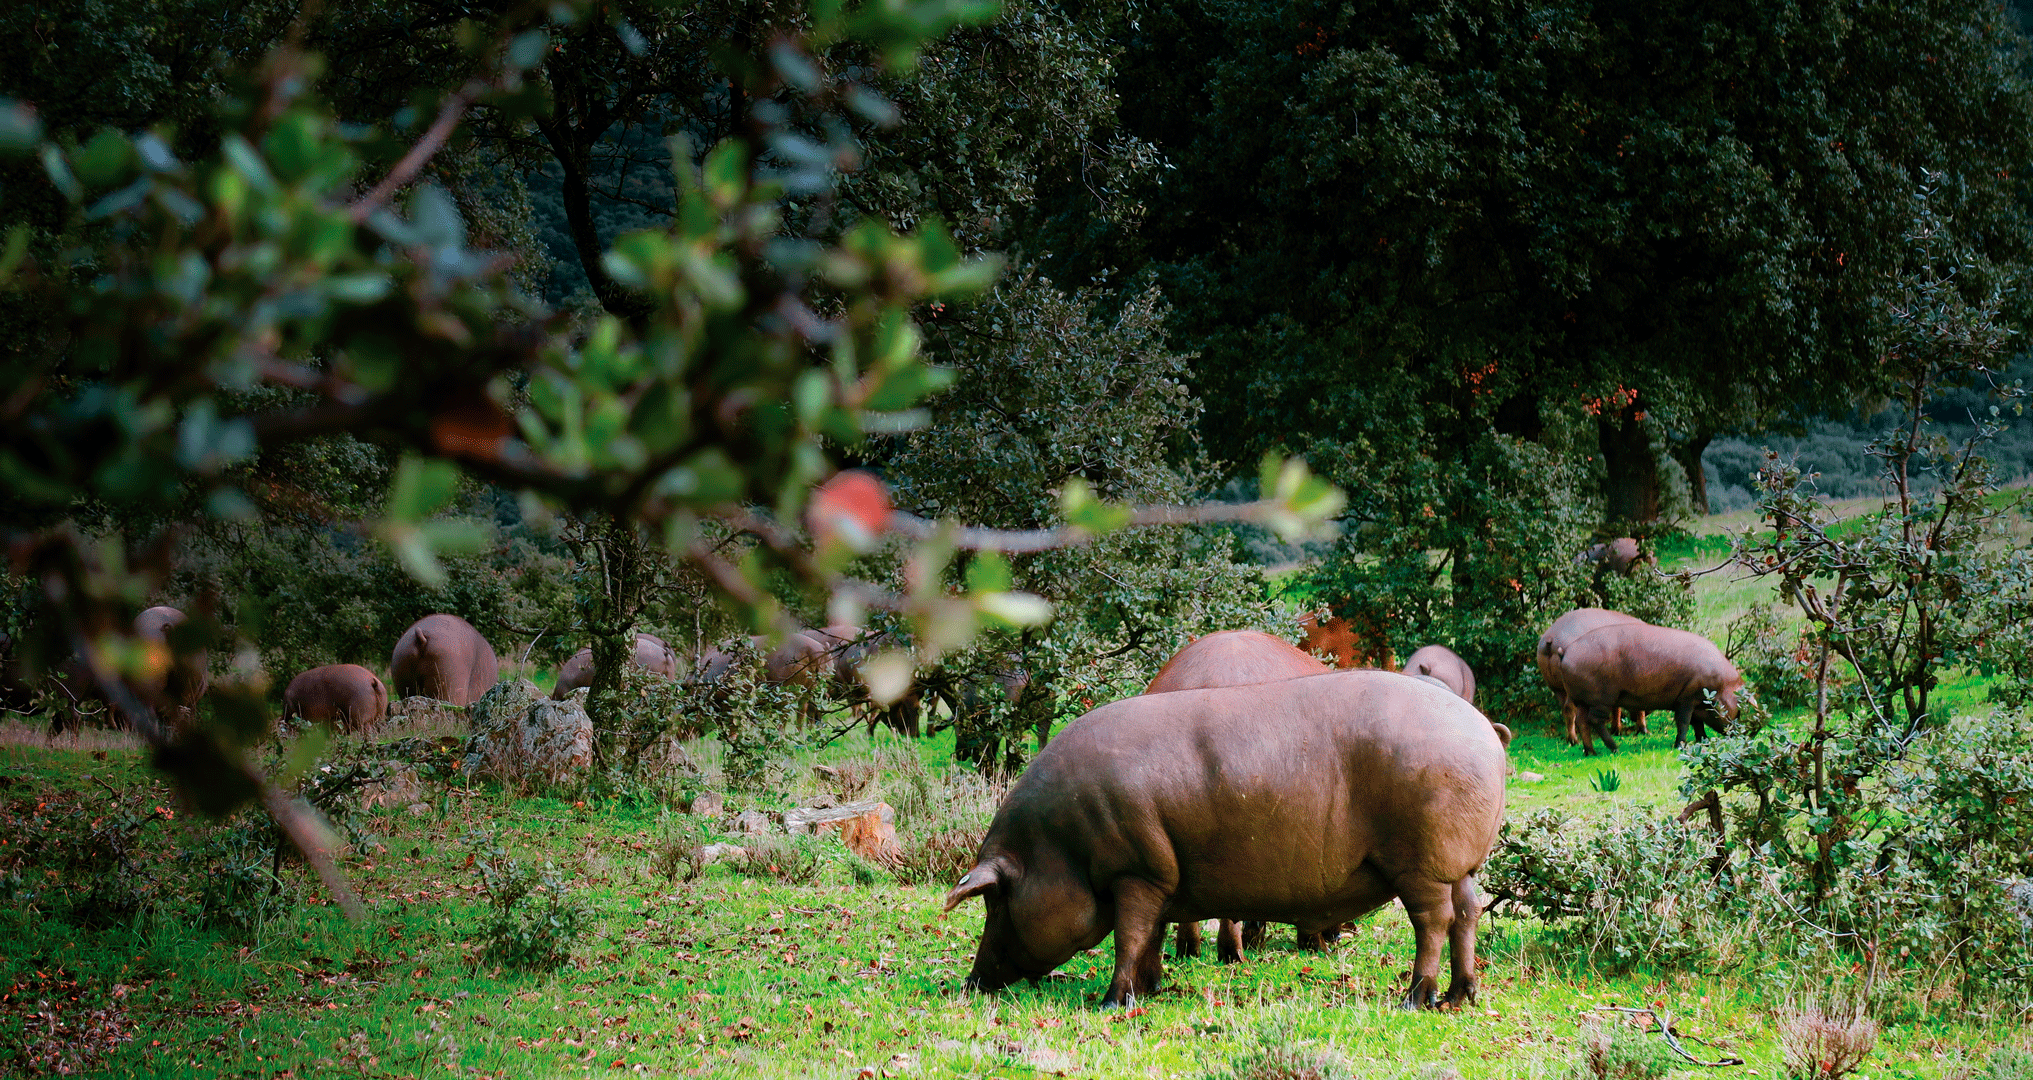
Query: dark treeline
{"points": [[1508, 274]]}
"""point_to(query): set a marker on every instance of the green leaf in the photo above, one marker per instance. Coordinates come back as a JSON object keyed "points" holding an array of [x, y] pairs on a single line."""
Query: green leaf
{"points": [[528, 48], [988, 572], [1083, 510], [105, 160], [421, 486], [726, 174]]}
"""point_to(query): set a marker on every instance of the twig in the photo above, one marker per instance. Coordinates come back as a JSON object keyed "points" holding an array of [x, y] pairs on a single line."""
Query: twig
{"points": [[449, 115], [1672, 1037]]}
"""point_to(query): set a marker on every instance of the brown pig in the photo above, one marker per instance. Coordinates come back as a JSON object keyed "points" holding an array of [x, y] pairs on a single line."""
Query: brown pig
{"points": [[651, 654], [1232, 658], [443, 657], [1442, 663], [347, 696], [1640, 666], [1556, 638], [1309, 801]]}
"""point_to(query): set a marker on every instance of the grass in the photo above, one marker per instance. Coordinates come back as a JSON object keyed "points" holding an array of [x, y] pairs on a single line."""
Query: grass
{"points": [[735, 976]]}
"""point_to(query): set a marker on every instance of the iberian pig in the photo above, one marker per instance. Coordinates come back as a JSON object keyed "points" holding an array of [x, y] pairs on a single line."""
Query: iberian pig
{"points": [[1442, 663], [346, 696], [1556, 638], [1309, 801], [1232, 658], [1641, 666], [443, 657]]}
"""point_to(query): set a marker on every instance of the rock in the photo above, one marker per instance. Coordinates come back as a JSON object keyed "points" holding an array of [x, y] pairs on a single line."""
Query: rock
{"points": [[557, 738], [707, 804], [751, 822], [867, 828], [1529, 778], [519, 736]]}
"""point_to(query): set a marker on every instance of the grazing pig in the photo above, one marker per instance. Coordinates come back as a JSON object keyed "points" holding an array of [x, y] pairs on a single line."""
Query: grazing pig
{"points": [[1557, 637], [1442, 663], [347, 696], [1619, 556], [1232, 658], [1640, 666], [651, 654], [1310, 801], [443, 657], [175, 692]]}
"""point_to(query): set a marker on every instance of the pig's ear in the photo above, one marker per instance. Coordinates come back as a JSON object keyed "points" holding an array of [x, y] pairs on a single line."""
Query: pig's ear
{"points": [[973, 883]]}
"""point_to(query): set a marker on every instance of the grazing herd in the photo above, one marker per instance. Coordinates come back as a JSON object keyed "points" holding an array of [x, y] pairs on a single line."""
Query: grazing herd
{"points": [[1250, 782]]}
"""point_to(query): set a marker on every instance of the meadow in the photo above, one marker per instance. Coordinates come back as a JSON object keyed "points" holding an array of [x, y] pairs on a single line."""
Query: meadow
{"points": [[799, 960]]}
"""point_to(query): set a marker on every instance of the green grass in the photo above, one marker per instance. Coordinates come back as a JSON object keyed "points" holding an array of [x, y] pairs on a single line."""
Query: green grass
{"points": [[732, 976]]}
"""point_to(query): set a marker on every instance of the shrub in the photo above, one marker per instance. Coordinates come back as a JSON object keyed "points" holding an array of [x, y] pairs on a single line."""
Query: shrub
{"points": [[795, 861], [1636, 886], [1614, 1050], [1820, 1043], [532, 923], [936, 858]]}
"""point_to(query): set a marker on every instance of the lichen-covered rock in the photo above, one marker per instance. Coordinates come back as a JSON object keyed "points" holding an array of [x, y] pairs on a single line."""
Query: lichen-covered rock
{"points": [[557, 738], [519, 737]]}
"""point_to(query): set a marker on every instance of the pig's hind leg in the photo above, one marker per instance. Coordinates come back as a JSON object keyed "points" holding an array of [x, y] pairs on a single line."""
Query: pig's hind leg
{"points": [[1461, 943], [1139, 942], [1431, 905]]}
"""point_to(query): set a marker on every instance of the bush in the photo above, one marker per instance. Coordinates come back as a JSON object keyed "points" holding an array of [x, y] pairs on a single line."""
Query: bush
{"points": [[532, 922], [1778, 661], [1636, 887], [1824, 1043], [796, 861], [937, 858], [1615, 1050]]}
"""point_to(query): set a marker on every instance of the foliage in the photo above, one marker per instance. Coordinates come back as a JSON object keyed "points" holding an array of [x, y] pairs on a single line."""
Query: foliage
{"points": [[1825, 1042], [1637, 886], [1777, 660], [1916, 587], [194, 285], [1506, 518], [1391, 223], [1615, 1050], [533, 922], [1058, 388]]}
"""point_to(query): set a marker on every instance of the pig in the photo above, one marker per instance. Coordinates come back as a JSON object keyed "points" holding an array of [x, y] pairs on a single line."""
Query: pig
{"points": [[1557, 637], [1311, 800], [1619, 556], [651, 654], [175, 692], [1446, 665], [442, 656], [347, 696], [1232, 658], [1640, 666]]}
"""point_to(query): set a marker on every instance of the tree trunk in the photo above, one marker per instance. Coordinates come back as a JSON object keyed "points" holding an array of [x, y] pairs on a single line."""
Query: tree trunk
{"points": [[1688, 454], [1631, 488]]}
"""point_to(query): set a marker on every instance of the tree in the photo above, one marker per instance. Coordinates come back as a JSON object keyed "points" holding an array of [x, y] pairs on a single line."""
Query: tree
{"points": [[1684, 221], [275, 261], [1062, 389]]}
